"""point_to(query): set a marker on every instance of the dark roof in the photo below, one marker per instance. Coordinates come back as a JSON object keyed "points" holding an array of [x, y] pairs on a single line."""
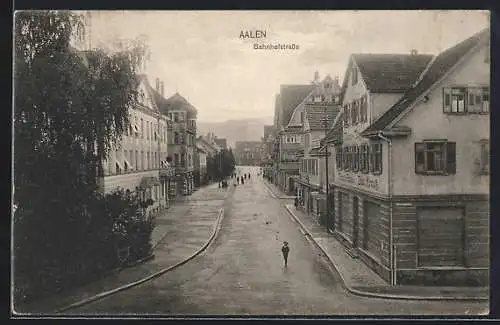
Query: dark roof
{"points": [[291, 96], [335, 133], [384, 73], [161, 102], [315, 115], [268, 129], [439, 67], [177, 102], [292, 128]]}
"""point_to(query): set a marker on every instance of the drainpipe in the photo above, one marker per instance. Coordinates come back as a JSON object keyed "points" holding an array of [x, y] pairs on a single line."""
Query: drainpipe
{"points": [[392, 261]]}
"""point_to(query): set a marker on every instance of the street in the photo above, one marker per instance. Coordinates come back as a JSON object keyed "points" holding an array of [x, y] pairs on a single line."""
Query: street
{"points": [[242, 272]]}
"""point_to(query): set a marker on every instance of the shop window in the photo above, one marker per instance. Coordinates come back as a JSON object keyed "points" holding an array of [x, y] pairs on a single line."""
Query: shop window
{"points": [[435, 158]]}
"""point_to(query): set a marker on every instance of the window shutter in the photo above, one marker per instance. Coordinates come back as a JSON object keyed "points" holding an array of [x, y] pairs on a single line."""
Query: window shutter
{"points": [[451, 166], [419, 158]]}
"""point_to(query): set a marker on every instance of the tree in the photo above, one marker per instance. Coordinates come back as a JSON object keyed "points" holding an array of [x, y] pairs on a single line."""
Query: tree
{"points": [[70, 109]]}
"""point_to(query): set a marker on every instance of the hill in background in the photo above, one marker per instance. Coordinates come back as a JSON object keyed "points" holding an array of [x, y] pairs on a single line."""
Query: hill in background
{"points": [[248, 129]]}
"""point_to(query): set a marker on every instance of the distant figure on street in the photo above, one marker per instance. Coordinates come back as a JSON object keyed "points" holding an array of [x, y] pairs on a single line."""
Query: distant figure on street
{"points": [[285, 250], [248, 175], [242, 181], [296, 202], [238, 180]]}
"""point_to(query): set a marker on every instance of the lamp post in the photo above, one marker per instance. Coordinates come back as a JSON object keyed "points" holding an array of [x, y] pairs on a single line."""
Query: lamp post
{"points": [[327, 221]]}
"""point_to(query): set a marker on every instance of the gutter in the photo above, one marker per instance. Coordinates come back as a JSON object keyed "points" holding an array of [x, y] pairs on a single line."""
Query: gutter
{"points": [[392, 261]]}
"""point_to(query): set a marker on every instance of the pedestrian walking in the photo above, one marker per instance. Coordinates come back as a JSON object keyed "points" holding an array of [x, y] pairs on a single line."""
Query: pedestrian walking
{"points": [[238, 179], [285, 250], [296, 202]]}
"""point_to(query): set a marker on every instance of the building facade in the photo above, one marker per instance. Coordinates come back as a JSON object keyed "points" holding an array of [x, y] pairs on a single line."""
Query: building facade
{"points": [[288, 137], [411, 184], [138, 162], [248, 153], [182, 146]]}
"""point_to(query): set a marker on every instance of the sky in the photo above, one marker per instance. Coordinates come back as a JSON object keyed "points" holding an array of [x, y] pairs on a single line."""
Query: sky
{"points": [[201, 55]]}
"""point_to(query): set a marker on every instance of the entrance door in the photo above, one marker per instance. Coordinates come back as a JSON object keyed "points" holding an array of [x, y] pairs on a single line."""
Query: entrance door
{"points": [[355, 221]]}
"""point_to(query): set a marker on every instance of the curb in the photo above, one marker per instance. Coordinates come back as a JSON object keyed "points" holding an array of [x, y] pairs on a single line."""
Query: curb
{"points": [[371, 294], [150, 277]]}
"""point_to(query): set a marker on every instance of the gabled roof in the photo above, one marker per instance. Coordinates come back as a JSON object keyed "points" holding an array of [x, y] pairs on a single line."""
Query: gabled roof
{"points": [[392, 73], [439, 67], [290, 97], [387, 73], [177, 102], [315, 115]]}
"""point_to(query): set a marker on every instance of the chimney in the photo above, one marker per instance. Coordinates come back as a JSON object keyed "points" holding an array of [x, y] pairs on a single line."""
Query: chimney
{"points": [[414, 52], [161, 88], [158, 84]]}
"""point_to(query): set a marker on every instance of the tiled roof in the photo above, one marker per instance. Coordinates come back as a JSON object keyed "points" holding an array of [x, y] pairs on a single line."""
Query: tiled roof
{"points": [[292, 129], [439, 67], [177, 102], [390, 72], [335, 133], [290, 97], [315, 115]]}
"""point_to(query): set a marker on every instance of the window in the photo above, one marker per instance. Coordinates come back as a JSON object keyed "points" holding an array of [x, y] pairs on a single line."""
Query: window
{"points": [[364, 158], [345, 164], [354, 75], [176, 159], [149, 161], [461, 100], [183, 160], [355, 158], [328, 85], [485, 157], [156, 161], [376, 159], [147, 130], [176, 117], [301, 117], [176, 137], [142, 128], [142, 160], [435, 157], [136, 160]]}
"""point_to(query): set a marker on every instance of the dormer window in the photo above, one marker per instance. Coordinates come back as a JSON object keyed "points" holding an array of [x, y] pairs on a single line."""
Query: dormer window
{"points": [[328, 85]]}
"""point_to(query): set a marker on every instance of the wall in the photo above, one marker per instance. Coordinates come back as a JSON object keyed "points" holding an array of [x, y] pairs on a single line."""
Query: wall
{"points": [[127, 181], [380, 103], [428, 121]]}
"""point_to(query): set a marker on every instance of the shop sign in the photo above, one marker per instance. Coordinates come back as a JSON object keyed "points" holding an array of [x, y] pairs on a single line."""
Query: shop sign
{"points": [[368, 181]]}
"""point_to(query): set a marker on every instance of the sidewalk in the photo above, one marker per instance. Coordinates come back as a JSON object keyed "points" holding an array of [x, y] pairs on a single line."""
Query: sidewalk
{"points": [[181, 232], [277, 191], [359, 279]]}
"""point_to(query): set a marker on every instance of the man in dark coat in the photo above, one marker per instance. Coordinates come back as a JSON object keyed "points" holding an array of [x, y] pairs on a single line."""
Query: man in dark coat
{"points": [[285, 250]]}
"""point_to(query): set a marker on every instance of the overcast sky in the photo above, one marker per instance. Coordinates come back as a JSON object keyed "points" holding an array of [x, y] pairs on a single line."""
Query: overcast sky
{"points": [[200, 54]]}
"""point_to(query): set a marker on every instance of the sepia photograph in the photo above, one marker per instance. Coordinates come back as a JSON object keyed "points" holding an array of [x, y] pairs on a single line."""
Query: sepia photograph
{"points": [[190, 164]]}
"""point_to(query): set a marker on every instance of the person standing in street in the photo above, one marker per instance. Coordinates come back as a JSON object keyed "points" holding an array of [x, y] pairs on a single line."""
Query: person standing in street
{"points": [[285, 250]]}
